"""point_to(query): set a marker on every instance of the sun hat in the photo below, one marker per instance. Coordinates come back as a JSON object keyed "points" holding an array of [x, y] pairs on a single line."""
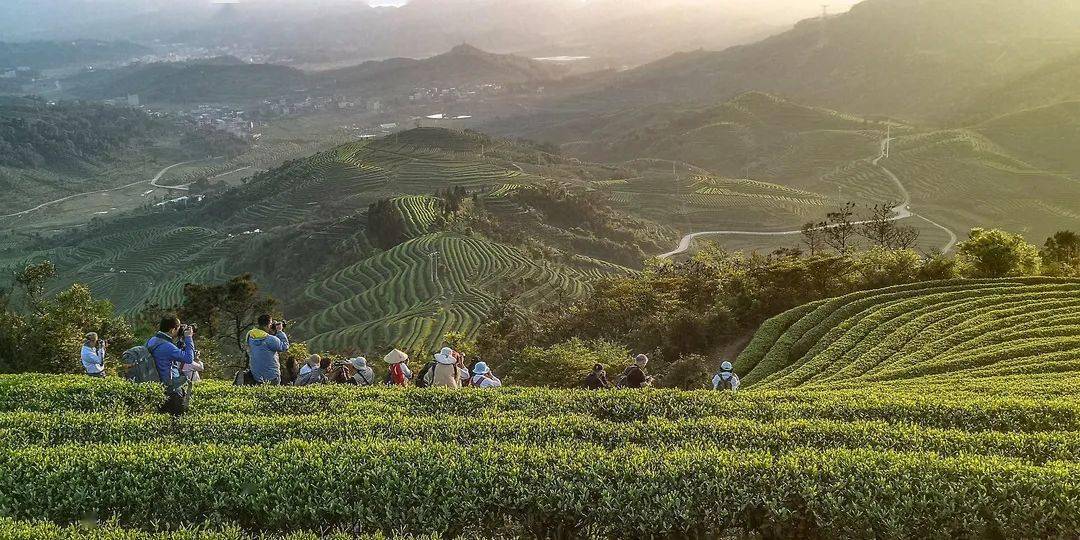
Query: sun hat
{"points": [[314, 358], [480, 368], [726, 366], [641, 359], [359, 362], [91, 335], [396, 356], [446, 356]]}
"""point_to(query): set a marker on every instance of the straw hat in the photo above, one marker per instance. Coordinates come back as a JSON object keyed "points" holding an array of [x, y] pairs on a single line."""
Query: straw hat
{"points": [[396, 356]]}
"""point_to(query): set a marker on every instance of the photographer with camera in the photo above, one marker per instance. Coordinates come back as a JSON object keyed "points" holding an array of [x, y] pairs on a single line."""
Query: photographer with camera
{"points": [[265, 342], [172, 347], [93, 355]]}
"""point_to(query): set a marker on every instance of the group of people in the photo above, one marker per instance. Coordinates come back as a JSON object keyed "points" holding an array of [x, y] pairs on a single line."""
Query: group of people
{"points": [[175, 356], [447, 369]]}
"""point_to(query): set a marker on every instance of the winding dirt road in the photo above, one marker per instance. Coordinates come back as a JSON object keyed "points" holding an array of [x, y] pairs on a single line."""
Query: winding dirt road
{"points": [[900, 211], [152, 181]]}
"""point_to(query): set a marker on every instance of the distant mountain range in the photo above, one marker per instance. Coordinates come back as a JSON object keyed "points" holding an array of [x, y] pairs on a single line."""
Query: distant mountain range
{"points": [[918, 59], [228, 79], [333, 30]]}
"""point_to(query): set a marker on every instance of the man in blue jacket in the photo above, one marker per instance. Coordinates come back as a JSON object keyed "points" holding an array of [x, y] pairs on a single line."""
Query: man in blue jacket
{"points": [[167, 356], [265, 342]]}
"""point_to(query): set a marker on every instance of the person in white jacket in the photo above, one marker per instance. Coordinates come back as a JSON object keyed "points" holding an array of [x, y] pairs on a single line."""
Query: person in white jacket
{"points": [[93, 355], [726, 379], [192, 370], [482, 377]]}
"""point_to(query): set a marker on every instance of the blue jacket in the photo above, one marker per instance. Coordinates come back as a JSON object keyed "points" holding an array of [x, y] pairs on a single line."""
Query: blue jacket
{"points": [[168, 357], [264, 354]]}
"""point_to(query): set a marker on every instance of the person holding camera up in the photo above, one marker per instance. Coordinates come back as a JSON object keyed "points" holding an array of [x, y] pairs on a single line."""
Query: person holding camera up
{"points": [[172, 347], [93, 355], [265, 342]]}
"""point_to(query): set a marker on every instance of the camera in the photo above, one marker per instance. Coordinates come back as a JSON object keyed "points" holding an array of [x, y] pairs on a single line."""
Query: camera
{"points": [[184, 328]]}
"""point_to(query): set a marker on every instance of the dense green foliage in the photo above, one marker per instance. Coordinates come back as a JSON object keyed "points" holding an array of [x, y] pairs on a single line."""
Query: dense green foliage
{"points": [[36, 134], [539, 460], [44, 333]]}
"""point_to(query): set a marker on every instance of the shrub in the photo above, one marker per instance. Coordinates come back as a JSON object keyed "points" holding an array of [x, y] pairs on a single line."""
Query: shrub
{"points": [[564, 365]]}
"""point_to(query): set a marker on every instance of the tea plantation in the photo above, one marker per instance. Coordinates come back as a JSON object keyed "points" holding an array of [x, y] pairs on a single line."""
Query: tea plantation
{"points": [[938, 410]]}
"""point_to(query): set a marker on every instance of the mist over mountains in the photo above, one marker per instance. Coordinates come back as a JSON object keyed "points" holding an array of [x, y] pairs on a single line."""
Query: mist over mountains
{"points": [[623, 32]]}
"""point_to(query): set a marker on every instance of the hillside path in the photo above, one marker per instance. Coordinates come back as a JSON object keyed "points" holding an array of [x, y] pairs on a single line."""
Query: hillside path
{"points": [[900, 211], [152, 181]]}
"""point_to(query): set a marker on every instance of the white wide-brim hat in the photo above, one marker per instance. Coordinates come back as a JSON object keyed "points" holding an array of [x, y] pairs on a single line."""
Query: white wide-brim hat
{"points": [[446, 356]]}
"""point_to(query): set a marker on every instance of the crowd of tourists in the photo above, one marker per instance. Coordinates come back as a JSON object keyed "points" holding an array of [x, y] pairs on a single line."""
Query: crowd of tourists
{"points": [[170, 356]]}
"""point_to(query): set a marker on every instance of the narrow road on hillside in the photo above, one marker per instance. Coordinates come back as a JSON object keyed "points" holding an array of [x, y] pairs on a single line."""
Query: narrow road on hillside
{"points": [[900, 211], [152, 181]]}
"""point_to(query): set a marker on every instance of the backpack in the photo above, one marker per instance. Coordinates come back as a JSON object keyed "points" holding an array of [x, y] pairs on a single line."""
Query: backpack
{"points": [[426, 376], [244, 378], [620, 382], [395, 376], [725, 384], [139, 365]]}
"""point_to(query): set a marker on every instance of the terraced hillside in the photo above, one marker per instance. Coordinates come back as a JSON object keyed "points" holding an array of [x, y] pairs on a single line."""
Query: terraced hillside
{"points": [[303, 231], [1007, 337], [776, 464]]}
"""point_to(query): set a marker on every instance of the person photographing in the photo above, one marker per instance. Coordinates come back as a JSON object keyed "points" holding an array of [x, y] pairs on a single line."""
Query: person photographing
{"points": [[93, 355], [265, 341]]}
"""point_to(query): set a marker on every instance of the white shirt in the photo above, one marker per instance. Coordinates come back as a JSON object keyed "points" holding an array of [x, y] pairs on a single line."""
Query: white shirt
{"points": [[192, 370], [481, 381], [93, 360], [734, 381]]}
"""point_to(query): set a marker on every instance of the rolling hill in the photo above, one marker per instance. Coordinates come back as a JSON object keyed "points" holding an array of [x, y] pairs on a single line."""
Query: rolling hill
{"points": [[1015, 171], [50, 150], [303, 231], [40, 55], [1007, 337]]}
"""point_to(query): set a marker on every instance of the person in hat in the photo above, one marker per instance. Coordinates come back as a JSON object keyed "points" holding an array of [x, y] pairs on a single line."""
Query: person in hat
{"points": [[398, 373], [362, 375], [635, 375], [597, 378], [448, 371], [482, 377], [726, 379], [93, 355], [311, 372]]}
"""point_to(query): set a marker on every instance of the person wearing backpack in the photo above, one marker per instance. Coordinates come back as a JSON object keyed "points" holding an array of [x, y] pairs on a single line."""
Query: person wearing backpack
{"points": [[169, 360], [448, 371], [93, 355], [597, 379], [635, 376], [265, 342], [168, 357], [312, 372], [483, 377], [362, 375], [726, 379], [397, 374]]}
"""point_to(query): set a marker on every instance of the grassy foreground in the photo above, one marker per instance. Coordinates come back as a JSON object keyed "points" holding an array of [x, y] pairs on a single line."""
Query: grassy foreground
{"points": [[534, 461]]}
